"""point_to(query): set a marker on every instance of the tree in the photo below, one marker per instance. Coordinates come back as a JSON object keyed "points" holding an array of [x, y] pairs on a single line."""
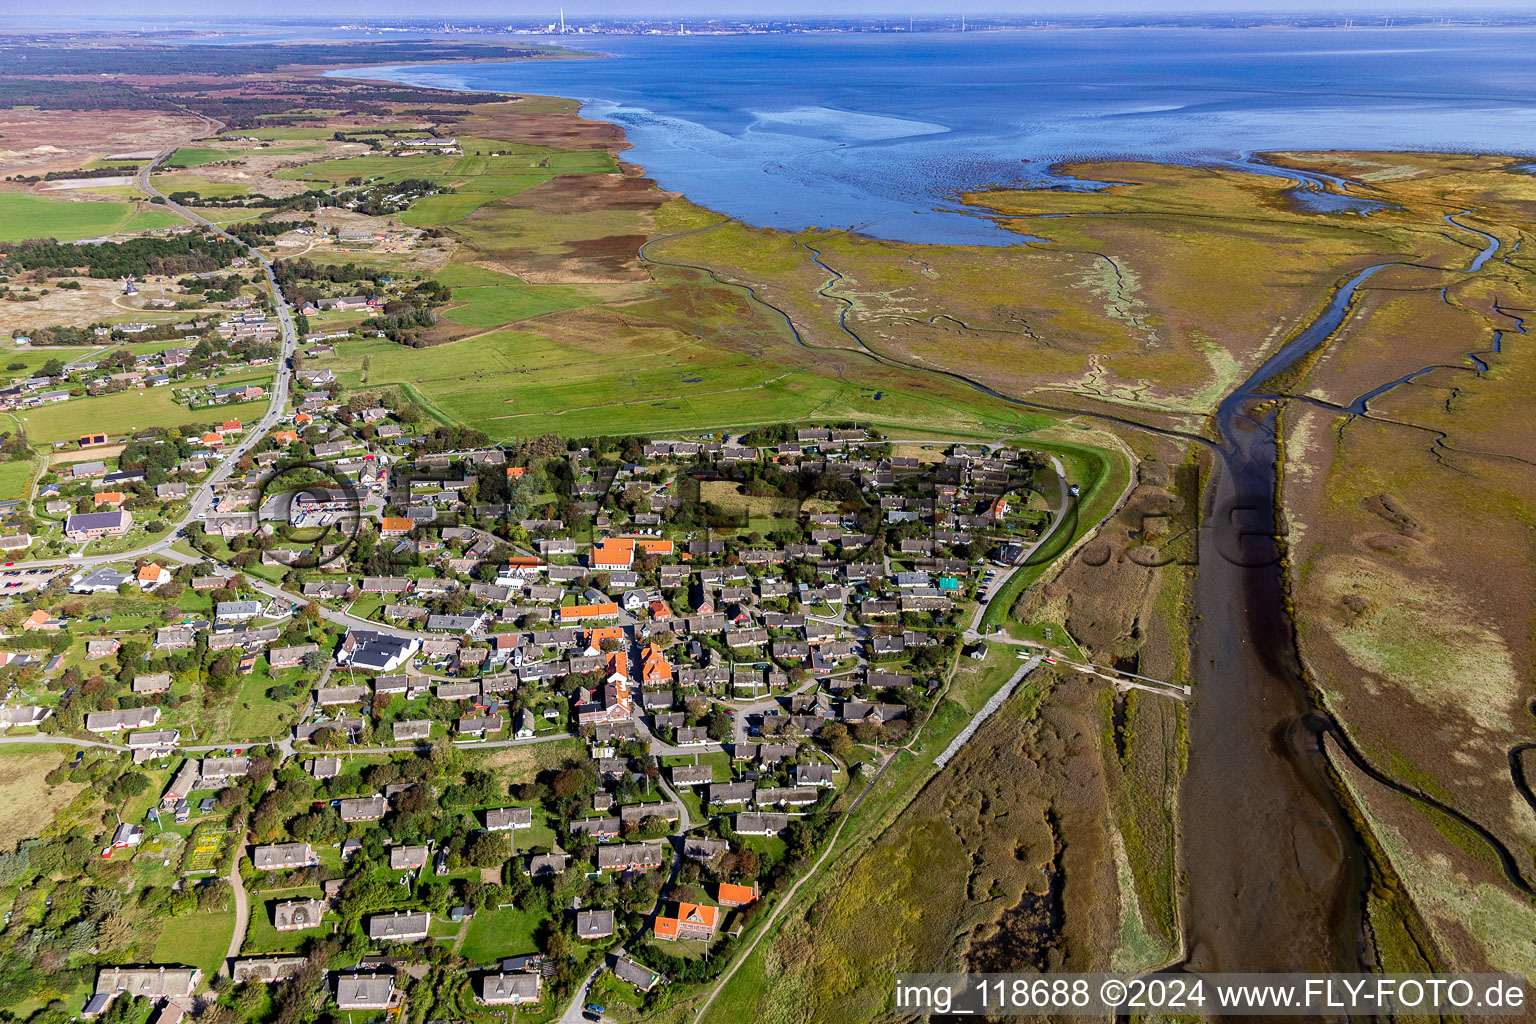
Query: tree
{"points": [[116, 931], [718, 725], [222, 670], [835, 736], [570, 783], [487, 850]]}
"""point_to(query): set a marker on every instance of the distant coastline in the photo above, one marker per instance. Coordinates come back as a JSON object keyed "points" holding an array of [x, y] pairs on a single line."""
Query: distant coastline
{"points": [[879, 134]]}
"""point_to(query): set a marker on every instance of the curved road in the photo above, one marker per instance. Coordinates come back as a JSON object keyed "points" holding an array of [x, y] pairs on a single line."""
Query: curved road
{"points": [[242, 913], [276, 410]]}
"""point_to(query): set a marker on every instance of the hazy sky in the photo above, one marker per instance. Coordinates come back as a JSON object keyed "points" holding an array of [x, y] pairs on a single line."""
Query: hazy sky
{"points": [[699, 8]]}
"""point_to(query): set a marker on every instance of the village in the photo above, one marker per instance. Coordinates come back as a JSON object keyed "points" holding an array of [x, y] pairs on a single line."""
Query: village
{"points": [[718, 640]]}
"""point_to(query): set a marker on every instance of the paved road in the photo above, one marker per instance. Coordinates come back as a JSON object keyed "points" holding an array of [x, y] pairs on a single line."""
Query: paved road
{"points": [[202, 500], [572, 1014]]}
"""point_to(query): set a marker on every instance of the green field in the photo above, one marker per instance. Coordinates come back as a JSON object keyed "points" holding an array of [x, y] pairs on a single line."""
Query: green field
{"points": [[256, 716], [152, 220], [493, 307], [192, 156], [198, 939], [14, 479], [28, 216], [182, 182], [494, 934], [475, 179], [514, 383], [225, 215], [124, 412]]}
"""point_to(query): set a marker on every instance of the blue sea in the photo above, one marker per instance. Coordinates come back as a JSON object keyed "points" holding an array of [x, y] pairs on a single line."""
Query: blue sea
{"points": [[878, 133]]}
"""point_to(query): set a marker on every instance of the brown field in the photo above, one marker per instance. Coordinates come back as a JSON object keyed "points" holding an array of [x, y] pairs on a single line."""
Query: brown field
{"points": [[38, 141], [67, 456], [1124, 309], [543, 121], [1470, 920], [572, 229], [27, 803], [1413, 581], [969, 875]]}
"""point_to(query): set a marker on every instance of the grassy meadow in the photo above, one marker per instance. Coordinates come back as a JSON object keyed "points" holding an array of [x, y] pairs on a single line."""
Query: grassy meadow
{"points": [[28, 216]]}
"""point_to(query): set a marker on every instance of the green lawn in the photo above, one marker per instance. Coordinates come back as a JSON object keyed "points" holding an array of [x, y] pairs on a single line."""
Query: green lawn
{"points": [[29, 216], [198, 939], [192, 156], [494, 934], [14, 479], [126, 411], [255, 715]]}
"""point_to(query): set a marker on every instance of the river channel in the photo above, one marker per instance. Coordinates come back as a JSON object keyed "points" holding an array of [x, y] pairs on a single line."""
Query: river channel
{"points": [[1275, 871]]}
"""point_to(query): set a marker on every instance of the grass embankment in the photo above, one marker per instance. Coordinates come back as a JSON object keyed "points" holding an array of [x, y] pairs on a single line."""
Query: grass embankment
{"points": [[1102, 475]]}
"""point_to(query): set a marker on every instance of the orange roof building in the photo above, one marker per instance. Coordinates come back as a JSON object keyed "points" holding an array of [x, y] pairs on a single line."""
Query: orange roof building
{"points": [[213, 440], [109, 497], [597, 635], [578, 612], [617, 663], [230, 427], [285, 437], [659, 610], [654, 545], [37, 620], [303, 418], [395, 526], [733, 895], [613, 554], [654, 666], [516, 471], [693, 921]]}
